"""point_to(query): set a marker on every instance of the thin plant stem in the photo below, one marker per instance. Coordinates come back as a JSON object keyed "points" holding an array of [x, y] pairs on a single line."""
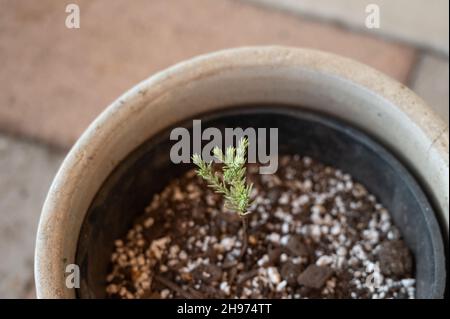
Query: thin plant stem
{"points": [[244, 237], [231, 183]]}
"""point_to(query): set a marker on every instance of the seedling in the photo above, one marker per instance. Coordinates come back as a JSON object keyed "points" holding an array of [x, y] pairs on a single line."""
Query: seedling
{"points": [[231, 182]]}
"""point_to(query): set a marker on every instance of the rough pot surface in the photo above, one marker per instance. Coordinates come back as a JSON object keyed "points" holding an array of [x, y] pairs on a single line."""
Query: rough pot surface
{"points": [[319, 81]]}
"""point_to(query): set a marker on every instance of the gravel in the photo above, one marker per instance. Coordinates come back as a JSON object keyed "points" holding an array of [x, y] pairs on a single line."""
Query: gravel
{"points": [[313, 232]]}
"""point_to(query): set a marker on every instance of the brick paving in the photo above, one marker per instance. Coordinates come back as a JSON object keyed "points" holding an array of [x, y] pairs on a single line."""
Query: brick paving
{"points": [[54, 81]]}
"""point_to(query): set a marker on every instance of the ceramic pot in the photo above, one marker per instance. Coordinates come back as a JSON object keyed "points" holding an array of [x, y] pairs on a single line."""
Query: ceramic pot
{"points": [[306, 80]]}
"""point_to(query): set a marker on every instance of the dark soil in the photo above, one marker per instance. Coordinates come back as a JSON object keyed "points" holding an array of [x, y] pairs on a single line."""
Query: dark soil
{"points": [[313, 233]]}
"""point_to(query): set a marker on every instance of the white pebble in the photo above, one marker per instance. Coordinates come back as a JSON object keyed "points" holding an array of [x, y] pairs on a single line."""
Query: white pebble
{"points": [[228, 243], [409, 282], [335, 230], [263, 260], [182, 255], [225, 287], [341, 251], [315, 230], [274, 237], [284, 199], [324, 260], [281, 285], [165, 293], [274, 275], [284, 240]]}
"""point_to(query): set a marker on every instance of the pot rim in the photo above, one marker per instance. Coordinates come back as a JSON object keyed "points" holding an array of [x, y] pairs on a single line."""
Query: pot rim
{"points": [[57, 226]]}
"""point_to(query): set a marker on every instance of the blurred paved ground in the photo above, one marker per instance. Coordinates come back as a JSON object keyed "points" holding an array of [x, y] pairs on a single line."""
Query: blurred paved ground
{"points": [[430, 81], [53, 76], [54, 81], [25, 175], [423, 23]]}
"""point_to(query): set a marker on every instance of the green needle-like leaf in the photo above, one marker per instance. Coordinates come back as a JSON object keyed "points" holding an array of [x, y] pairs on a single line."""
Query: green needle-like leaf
{"points": [[232, 184]]}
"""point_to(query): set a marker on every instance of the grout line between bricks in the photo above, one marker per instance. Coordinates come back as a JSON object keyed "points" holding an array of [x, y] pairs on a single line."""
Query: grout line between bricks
{"points": [[33, 140]]}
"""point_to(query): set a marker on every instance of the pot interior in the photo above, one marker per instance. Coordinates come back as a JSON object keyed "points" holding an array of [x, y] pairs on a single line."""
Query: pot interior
{"points": [[148, 169]]}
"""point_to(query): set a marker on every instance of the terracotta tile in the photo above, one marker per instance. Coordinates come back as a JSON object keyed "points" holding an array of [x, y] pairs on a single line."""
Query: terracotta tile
{"points": [[54, 81]]}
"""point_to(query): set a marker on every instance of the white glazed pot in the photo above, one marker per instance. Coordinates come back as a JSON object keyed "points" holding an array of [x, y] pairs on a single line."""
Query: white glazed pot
{"points": [[339, 87]]}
